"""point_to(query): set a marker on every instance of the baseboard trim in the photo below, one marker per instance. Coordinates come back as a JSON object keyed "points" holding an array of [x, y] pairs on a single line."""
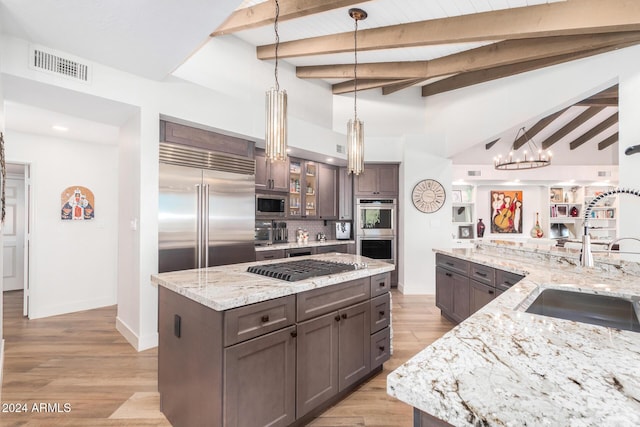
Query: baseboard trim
{"points": [[139, 343], [47, 311]]}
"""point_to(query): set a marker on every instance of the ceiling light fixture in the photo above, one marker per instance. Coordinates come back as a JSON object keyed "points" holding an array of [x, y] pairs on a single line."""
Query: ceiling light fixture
{"points": [[276, 111], [355, 128], [527, 161], [60, 128]]}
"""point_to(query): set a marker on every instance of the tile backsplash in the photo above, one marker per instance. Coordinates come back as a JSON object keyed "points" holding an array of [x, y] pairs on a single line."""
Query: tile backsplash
{"points": [[313, 227]]}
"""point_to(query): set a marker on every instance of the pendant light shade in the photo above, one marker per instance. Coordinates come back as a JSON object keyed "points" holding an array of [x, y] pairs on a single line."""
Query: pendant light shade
{"points": [[276, 124], [355, 146], [276, 111], [355, 127]]}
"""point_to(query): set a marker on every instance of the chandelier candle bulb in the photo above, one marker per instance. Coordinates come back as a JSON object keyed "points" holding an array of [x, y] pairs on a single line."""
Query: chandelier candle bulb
{"points": [[528, 162]]}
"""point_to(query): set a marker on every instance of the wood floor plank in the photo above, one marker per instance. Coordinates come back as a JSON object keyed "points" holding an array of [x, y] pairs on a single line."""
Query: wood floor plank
{"points": [[81, 359]]}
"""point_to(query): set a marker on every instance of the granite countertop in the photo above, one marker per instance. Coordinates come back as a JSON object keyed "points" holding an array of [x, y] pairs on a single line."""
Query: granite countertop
{"points": [[293, 245], [230, 286], [505, 367]]}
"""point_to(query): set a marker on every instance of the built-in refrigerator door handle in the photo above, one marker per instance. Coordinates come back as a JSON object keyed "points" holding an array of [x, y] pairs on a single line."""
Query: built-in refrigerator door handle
{"points": [[205, 222], [199, 226]]}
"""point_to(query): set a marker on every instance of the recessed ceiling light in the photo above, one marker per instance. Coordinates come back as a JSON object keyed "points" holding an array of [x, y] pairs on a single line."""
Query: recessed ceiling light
{"points": [[329, 159], [60, 128]]}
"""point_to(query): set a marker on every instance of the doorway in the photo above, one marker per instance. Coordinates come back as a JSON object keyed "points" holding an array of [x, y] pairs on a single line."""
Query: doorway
{"points": [[15, 231]]}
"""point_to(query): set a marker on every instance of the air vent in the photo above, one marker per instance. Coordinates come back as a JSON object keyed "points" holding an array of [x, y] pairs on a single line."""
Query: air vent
{"points": [[340, 149], [56, 64], [474, 173], [182, 155], [604, 173]]}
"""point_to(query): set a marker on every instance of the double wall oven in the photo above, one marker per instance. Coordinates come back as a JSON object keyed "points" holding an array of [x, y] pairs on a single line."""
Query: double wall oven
{"points": [[376, 228]]}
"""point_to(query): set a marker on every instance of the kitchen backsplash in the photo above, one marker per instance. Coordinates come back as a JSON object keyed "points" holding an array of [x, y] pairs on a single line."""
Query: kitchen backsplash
{"points": [[313, 227]]}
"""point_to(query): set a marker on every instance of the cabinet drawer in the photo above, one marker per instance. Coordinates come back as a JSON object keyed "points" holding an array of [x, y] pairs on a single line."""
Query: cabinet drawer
{"points": [[482, 273], [380, 284], [380, 312], [243, 323], [266, 255], [506, 279], [454, 264], [380, 348], [324, 300]]}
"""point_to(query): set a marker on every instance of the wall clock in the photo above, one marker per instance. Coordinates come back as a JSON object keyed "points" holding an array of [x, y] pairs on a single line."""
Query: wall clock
{"points": [[428, 196]]}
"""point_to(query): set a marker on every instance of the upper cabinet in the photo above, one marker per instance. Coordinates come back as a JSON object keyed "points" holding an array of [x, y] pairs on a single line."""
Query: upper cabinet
{"points": [[327, 191], [271, 176], [377, 180], [205, 139], [303, 189], [345, 195]]}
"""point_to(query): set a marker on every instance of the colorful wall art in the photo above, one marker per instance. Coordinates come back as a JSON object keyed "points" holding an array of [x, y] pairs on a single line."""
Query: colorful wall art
{"points": [[77, 203], [506, 211]]}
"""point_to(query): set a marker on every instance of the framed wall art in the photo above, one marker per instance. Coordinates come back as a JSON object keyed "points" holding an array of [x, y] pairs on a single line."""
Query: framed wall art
{"points": [[506, 211], [78, 204], [465, 232]]}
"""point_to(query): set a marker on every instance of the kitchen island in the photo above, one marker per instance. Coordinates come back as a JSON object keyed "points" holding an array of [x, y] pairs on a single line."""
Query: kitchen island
{"points": [[506, 367], [238, 348]]}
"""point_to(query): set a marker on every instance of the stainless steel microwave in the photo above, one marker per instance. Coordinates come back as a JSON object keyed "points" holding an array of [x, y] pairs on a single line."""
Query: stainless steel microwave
{"points": [[270, 206]]}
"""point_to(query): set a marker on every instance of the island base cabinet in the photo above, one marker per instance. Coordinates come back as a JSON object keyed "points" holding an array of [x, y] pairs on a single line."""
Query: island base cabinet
{"points": [[480, 295], [380, 348], [259, 381], [354, 344], [317, 375]]}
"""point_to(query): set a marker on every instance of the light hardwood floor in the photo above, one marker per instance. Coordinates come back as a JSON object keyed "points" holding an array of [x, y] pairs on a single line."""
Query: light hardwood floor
{"points": [[81, 360]]}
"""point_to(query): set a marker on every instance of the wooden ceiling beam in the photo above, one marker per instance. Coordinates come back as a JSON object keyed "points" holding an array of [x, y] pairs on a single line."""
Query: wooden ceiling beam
{"points": [[608, 141], [488, 145], [264, 13], [571, 126], [497, 54], [610, 102], [552, 19], [612, 120], [536, 129], [396, 87], [364, 84], [461, 80]]}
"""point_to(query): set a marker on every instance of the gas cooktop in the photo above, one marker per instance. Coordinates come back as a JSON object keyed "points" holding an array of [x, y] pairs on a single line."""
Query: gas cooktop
{"points": [[293, 271]]}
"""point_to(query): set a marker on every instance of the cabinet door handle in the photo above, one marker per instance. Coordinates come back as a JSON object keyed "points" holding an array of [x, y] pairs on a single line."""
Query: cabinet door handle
{"points": [[177, 325], [381, 348], [491, 292], [294, 334], [381, 312], [450, 264], [382, 284], [265, 318], [337, 317], [448, 274], [344, 315]]}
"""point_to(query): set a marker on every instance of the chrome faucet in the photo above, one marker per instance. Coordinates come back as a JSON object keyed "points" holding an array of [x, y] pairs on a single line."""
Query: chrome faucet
{"points": [[619, 239], [586, 256]]}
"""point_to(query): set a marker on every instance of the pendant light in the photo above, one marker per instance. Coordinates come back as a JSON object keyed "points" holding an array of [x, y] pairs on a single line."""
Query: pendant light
{"points": [[276, 111], [529, 159], [355, 127]]}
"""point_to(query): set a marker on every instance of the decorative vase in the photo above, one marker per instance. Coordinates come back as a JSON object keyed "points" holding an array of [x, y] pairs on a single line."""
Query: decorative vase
{"points": [[574, 212], [536, 231], [480, 228]]}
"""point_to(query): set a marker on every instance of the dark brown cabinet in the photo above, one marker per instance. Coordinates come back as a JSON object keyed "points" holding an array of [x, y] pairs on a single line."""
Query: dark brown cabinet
{"points": [[464, 287], [345, 195], [260, 374], [271, 176], [377, 180], [332, 248], [327, 191], [303, 189], [275, 362], [267, 255]]}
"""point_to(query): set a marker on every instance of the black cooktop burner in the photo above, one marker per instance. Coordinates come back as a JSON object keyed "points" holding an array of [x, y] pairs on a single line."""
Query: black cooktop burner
{"points": [[293, 271]]}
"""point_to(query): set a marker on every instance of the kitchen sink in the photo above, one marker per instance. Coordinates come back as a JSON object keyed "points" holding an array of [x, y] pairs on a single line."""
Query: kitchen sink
{"points": [[602, 310]]}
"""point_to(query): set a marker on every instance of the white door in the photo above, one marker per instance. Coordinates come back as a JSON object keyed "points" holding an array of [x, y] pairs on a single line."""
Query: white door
{"points": [[13, 230]]}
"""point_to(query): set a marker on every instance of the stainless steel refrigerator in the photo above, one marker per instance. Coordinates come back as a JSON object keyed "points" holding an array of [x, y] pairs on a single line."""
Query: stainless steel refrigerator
{"points": [[206, 208]]}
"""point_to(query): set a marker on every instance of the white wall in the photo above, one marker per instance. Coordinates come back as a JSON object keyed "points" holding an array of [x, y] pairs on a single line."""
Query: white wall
{"points": [[2, 129], [74, 263]]}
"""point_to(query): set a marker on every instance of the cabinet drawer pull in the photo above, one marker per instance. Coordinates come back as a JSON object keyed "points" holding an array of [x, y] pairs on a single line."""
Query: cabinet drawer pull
{"points": [[450, 264], [507, 283], [294, 334], [481, 274], [382, 284], [381, 312], [344, 315], [337, 317], [265, 318], [448, 274], [268, 256], [491, 292], [381, 348]]}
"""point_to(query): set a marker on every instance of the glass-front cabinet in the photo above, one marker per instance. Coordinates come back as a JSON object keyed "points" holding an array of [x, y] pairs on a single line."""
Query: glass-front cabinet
{"points": [[303, 189]]}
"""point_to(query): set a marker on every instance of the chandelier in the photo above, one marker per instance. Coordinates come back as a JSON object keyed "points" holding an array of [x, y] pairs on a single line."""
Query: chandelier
{"points": [[531, 156], [276, 111], [355, 127]]}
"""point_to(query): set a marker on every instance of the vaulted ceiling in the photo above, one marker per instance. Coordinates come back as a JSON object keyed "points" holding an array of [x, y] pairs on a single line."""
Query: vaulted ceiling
{"points": [[444, 45]]}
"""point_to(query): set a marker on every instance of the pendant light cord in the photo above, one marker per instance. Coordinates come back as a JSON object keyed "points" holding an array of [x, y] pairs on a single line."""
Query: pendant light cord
{"points": [[275, 28], [355, 72]]}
